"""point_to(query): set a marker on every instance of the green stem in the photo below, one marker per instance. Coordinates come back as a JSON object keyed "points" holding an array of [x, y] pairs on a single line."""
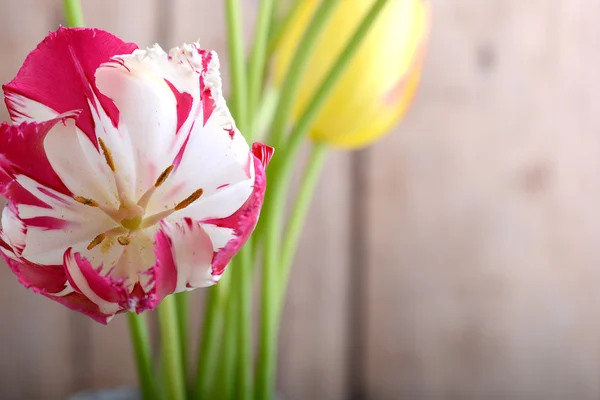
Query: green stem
{"points": [[280, 173], [304, 197], [227, 369], [279, 28], [235, 41], [182, 301], [265, 113], [293, 78], [243, 287], [73, 13], [171, 353], [258, 58], [274, 206], [208, 351], [138, 330]]}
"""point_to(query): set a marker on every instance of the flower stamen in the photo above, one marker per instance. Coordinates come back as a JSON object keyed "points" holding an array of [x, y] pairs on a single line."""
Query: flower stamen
{"points": [[124, 240], [86, 201], [107, 155], [163, 177], [145, 199], [96, 241], [192, 198], [155, 218]]}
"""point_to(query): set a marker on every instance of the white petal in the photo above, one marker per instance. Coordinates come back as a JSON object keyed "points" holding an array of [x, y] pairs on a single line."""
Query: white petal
{"points": [[46, 245], [79, 165], [83, 286], [148, 108], [13, 232], [27, 110], [218, 164], [218, 236], [193, 252], [137, 258]]}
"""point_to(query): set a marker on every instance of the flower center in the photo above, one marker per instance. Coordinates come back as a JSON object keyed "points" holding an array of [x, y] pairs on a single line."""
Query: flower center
{"points": [[131, 215], [131, 224]]}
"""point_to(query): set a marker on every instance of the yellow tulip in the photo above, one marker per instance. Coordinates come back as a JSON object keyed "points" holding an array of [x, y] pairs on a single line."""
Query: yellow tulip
{"points": [[375, 91]]}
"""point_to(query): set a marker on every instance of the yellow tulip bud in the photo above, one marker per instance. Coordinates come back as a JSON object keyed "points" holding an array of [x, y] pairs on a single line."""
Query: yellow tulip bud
{"points": [[377, 87]]}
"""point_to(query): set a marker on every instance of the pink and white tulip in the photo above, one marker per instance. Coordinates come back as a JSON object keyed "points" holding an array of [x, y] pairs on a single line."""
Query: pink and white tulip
{"points": [[126, 177]]}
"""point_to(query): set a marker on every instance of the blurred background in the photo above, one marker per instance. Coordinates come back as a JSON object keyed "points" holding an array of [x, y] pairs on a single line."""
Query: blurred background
{"points": [[458, 258]]}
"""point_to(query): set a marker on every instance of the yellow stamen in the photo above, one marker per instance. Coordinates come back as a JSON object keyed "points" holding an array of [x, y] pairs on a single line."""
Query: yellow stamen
{"points": [[97, 240], [163, 177], [107, 154], [86, 201], [124, 240], [192, 198]]}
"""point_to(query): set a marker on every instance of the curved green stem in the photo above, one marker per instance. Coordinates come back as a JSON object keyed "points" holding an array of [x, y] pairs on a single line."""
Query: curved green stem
{"points": [[227, 368], [243, 287], [138, 330], [235, 41], [182, 302], [293, 78], [208, 351], [258, 58], [304, 197], [171, 351], [279, 28], [280, 173], [73, 13]]}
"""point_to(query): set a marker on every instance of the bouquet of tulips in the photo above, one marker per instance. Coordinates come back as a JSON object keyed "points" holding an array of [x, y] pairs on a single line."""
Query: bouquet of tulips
{"points": [[131, 181]]}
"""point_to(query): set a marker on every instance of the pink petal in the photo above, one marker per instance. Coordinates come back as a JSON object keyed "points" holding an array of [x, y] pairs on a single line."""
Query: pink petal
{"points": [[78, 302], [104, 286], [107, 293], [59, 74], [244, 220], [22, 153], [165, 271], [171, 112], [191, 250], [43, 279]]}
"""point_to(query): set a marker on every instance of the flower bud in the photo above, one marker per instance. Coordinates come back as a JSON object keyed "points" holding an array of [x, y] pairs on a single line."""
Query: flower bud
{"points": [[379, 83]]}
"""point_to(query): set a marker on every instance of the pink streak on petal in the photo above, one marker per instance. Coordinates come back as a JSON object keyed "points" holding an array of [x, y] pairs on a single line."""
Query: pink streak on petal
{"points": [[165, 270], [208, 103], [106, 287], [179, 155], [244, 220], [78, 302], [22, 152], [48, 223], [143, 301], [184, 105], [51, 194], [39, 278], [263, 152], [59, 73]]}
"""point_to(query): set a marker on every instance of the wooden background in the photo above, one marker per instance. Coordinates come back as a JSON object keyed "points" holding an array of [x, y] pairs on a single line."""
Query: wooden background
{"points": [[457, 259]]}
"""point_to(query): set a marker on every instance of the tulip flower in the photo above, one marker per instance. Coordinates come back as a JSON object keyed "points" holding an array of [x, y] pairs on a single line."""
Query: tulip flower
{"points": [[126, 177], [379, 83]]}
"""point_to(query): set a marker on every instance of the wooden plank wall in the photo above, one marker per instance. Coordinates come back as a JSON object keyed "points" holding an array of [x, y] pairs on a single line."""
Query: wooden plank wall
{"points": [[455, 259]]}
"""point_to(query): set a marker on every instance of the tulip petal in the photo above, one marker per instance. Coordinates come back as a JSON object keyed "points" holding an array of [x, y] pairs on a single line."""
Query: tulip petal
{"points": [[79, 302], [22, 152], [68, 59], [80, 166], [243, 221], [183, 122], [105, 291], [192, 251]]}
